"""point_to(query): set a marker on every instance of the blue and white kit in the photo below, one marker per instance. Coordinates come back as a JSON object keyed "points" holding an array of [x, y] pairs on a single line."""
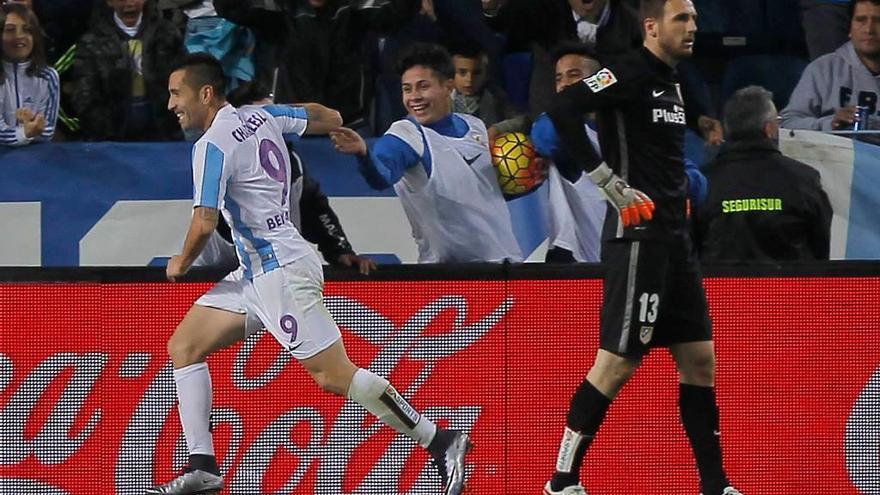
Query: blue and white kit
{"points": [[241, 166]]}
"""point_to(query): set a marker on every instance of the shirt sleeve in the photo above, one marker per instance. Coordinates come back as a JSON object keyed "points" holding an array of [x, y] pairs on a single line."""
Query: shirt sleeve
{"points": [[13, 136], [545, 137], [698, 186], [600, 91], [210, 174], [50, 111], [820, 229], [387, 160], [292, 120], [806, 109]]}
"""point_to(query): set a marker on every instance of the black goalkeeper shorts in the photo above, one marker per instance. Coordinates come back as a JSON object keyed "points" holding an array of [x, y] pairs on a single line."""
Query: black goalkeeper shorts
{"points": [[654, 297]]}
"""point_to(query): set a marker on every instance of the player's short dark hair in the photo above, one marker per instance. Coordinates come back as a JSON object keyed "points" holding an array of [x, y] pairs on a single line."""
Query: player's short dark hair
{"points": [[466, 50], [202, 69], [429, 55], [746, 113], [247, 93], [651, 8], [851, 8], [573, 48]]}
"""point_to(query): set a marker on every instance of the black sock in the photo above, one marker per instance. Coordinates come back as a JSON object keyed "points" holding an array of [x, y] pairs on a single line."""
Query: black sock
{"points": [[585, 415], [441, 441], [699, 415], [204, 462]]}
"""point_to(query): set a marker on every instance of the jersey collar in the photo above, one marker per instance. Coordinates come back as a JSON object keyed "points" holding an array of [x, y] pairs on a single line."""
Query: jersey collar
{"points": [[658, 65]]}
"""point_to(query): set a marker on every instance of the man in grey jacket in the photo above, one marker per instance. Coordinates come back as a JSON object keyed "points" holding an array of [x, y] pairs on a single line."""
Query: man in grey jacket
{"points": [[833, 85]]}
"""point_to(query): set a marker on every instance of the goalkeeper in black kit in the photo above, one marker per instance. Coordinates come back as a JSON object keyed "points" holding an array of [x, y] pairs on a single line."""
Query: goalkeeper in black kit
{"points": [[653, 292]]}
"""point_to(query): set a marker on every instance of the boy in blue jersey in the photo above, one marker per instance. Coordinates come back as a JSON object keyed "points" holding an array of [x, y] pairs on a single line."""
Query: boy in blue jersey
{"points": [[440, 167], [239, 168]]}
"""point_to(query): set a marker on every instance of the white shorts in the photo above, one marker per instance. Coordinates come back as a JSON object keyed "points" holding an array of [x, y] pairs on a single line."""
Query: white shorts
{"points": [[290, 303], [228, 295]]}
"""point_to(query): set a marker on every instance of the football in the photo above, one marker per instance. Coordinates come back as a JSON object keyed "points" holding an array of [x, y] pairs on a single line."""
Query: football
{"points": [[517, 164]]}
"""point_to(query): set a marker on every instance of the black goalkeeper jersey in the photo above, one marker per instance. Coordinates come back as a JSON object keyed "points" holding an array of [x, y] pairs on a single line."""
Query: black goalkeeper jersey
{"points": [[641, 121]]}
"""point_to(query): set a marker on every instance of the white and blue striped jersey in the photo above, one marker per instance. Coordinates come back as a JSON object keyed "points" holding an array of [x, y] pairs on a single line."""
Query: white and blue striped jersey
{"points": [[39, 92], [241, 166]]}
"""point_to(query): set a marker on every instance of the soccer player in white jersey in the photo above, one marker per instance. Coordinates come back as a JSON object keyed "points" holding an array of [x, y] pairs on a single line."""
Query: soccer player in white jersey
{"points": [[240, 168], [576, 205], [440, 166]]}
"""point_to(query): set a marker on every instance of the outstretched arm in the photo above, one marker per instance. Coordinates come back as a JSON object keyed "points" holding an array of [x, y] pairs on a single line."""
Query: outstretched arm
{"points": [[321, 119], [309, 118], [384, 164]]}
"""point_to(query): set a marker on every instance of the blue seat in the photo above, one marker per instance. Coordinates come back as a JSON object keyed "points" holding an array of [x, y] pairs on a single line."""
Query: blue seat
{"points": [[732, 17], [517, 68], [777, 73]]}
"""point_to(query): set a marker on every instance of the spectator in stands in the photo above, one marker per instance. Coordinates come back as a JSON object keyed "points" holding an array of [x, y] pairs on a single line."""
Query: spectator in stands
{"points": [[761, 205], [205, 31], [474, 96], [320, 45], [63, 23], [312, 216], [826, 24], [834, 84], [465, 22], [606, 26], [29, 88], [609, 27], [121, 72], [439, 165]]}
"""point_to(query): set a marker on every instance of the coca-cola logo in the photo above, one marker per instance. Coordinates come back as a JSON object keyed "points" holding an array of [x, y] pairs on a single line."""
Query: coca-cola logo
{"points": [[862, 444], [333, 434]]}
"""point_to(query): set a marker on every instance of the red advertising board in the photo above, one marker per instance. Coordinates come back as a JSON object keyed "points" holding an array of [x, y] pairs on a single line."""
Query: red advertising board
{"points": [[87, 399]]}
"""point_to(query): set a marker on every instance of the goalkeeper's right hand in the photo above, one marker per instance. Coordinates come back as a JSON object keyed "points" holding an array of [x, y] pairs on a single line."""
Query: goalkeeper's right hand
{"points": [[632, 205]]}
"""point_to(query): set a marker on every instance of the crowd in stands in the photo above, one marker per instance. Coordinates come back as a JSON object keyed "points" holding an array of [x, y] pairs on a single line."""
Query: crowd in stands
{"points": [[97, 70]]}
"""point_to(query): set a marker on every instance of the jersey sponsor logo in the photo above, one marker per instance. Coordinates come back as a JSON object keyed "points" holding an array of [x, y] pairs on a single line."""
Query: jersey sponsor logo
{"points": [[751, 204], [676, 116], [470, 161], [278, 220], [658, 94], [645, 334], [601, 80]]}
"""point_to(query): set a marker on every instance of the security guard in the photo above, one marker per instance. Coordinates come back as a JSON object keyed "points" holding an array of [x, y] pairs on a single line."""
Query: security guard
{"points": [[761, 206]]}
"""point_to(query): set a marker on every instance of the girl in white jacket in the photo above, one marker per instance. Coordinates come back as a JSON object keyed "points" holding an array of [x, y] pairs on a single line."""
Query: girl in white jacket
{"points": [[29, 88]]}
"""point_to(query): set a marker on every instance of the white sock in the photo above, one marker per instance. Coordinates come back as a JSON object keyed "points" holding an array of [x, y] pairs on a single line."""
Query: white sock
{"points": [[379, 397], [194, 396]]}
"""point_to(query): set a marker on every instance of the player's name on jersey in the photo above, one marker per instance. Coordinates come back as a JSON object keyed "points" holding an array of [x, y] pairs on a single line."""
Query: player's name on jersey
{"points": [[751, 204], [278, 220], [249, 128]]}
